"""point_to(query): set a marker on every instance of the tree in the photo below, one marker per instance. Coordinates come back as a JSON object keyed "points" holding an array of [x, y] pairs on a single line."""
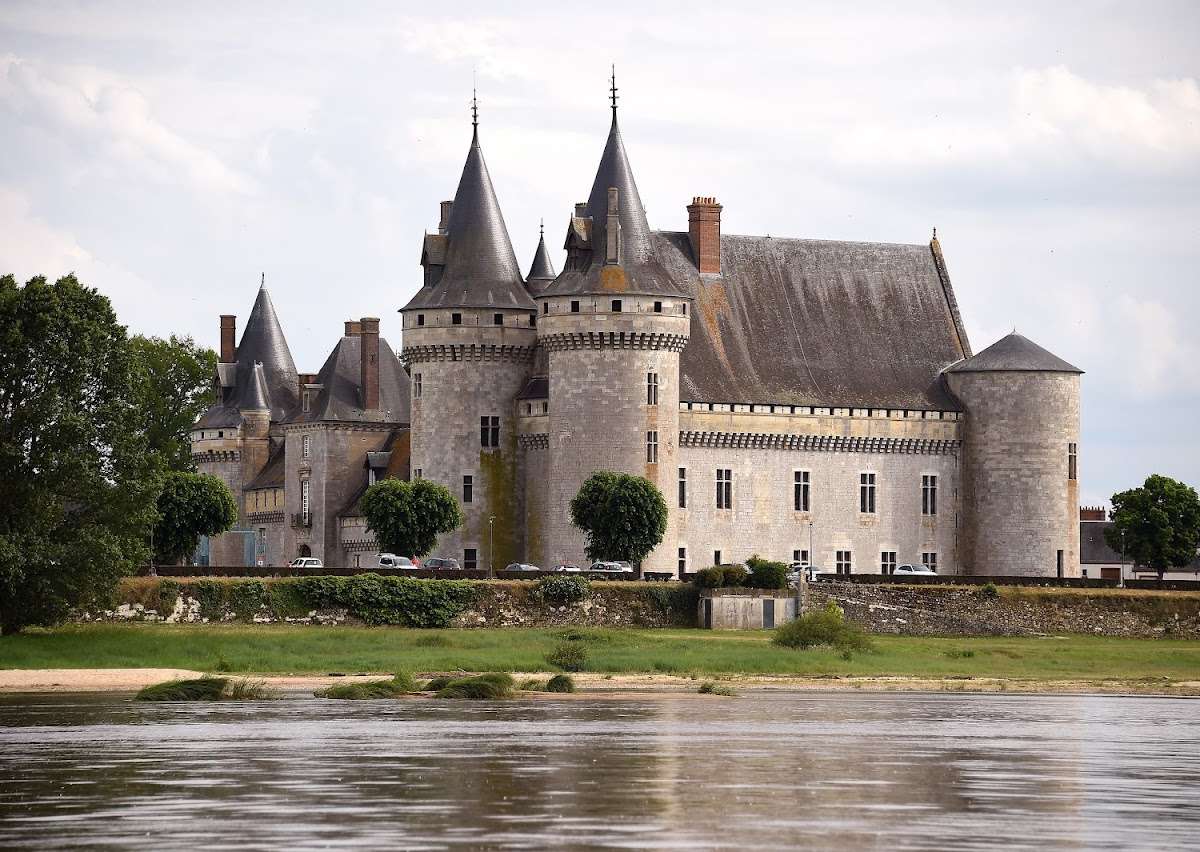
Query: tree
{"points": [[624, 517], [407, 517], [1157, 525], [78, 487], [189, 506], [174, 387]]}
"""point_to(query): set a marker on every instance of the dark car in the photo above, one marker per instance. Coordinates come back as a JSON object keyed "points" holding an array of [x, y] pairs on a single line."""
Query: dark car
{"points": [[441, 563]]}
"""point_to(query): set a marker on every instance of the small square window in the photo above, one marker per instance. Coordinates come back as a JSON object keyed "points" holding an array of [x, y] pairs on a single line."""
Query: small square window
{"points": [[497, 319], [456, 319], [616, 306], [575, 307], [420, 319], [658, 307]]}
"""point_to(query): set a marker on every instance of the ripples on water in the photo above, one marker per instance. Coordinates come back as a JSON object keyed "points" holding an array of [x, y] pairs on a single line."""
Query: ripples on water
{"points": [[767, 770]]}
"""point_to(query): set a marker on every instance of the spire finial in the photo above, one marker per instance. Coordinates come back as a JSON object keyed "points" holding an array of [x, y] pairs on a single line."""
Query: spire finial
{"points": [[935, 232], [474, 109], [613, 90], [263, 281], [541, 227]]}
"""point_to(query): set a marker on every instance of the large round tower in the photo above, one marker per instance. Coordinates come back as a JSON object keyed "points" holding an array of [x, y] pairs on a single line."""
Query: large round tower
{"points": [[469, 339], [1020, 483], [613, 324]]}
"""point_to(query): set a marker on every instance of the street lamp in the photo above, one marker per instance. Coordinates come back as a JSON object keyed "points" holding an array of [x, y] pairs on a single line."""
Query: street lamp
{"points": [[491, 542], [1121, 573]]}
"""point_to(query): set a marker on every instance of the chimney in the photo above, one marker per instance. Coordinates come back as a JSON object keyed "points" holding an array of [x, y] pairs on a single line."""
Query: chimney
{"points": [[580, 209], [228, 338], [353, 327], [444, 221], [368, 349], [612, 250], [704, 233], [1092, 513]]}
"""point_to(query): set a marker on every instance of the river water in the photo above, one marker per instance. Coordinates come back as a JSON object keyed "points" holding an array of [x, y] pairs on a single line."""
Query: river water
{"points": [[765, 770]]}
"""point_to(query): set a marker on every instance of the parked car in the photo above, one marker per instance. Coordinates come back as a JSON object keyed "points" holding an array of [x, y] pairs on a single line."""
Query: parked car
{"points": [[392, 562], [442, 563], [610, 568], [306, 562], [521, 566], [566, 569], [816, 574], [913, 569]]}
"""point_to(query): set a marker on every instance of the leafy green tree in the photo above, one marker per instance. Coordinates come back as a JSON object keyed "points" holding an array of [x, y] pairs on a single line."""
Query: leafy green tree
{"points": [[407, 517], [77, 486], [174, 387], [624, 517], [1157, 525], [189, 506]]}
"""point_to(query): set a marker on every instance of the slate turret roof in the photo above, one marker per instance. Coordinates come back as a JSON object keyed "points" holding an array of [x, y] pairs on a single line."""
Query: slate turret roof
{"points": [[1014, 353], [481, 269], [541, 271], [340, 398]]}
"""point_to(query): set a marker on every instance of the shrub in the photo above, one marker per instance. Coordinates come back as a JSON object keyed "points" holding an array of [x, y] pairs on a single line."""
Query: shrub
{"points": [[437, 683], [195, 689], [286, 598], [247, 597], [400, 684], [711, 688], [827, 626], [735, 575], [213, 595], [676, 600], [569, 656], [710, 578], [765, 574], [562, 590], [561, 683], [485, 687], [988, 591], [406, 601], [532, 684]]}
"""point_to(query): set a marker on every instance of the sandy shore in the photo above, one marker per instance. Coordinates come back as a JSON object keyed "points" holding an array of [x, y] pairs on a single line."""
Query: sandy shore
{"points": [[600, 685]]}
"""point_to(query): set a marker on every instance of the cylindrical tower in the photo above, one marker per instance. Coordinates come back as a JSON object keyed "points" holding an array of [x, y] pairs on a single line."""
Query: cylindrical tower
{"points": [[1020, 484]]}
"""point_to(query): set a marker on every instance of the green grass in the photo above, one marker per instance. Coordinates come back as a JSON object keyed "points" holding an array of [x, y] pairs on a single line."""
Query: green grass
{"points": [[269, 649], [206, 688], [490, 686], [400, 684]]}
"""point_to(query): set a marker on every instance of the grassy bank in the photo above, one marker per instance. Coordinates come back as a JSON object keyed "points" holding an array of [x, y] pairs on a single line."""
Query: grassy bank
{"points": [[303, 650]]}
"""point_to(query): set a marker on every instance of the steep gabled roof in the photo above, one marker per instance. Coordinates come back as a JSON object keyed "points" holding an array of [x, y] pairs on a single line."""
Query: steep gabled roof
{"points": [[481, 269], [340, 398], [1014, 353]]}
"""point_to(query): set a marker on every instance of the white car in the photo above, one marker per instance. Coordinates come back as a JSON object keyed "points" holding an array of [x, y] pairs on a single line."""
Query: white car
{"points": [[306, 562], [610, 568], [392, 561], [914, 569], [521, 566]]}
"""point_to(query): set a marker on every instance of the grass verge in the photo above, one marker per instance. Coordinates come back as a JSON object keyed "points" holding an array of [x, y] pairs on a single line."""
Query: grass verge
{"points": [[206, 689]]}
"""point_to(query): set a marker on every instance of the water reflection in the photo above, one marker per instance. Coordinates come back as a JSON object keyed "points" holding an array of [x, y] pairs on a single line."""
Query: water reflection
{"points": [[765, 770]]}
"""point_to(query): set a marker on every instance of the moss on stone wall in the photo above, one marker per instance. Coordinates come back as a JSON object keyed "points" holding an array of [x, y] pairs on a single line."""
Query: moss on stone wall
{"points": [[498, 470]]}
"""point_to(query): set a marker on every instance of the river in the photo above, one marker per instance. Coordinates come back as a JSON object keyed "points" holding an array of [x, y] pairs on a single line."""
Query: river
{"points": [[761, 771]]}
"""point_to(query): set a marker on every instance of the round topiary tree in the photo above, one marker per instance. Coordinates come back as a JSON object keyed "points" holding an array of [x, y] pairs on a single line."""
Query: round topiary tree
{"points": [[189, 506], [624, 517], [407, 517]]}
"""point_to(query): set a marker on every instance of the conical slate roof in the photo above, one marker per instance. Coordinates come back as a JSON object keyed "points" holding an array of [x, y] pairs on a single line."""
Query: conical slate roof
{"points": [[481, 269], [541, 272], [263, 343], [1013, 353], [257, 397]]}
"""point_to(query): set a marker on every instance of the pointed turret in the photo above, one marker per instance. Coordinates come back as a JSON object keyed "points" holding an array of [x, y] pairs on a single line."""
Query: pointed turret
{"points": [[257, 397], [541, 272], [1013, 353], [480, 269], [263, 344]]}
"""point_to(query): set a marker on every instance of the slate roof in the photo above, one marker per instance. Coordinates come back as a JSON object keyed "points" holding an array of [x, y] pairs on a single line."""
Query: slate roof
{"points": [[541, 271], [340, 398], [481, 269], [273, 472], [536, 388], [816, 322], [1014, 353]]}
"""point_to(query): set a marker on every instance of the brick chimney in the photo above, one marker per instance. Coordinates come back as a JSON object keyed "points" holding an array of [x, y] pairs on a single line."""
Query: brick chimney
{"points": [[369, 362], [444, 221], [1092, 513], [353, 327], [704, 233], [228, 338]]}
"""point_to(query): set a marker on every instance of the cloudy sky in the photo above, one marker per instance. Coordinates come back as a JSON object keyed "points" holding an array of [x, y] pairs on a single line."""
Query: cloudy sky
{"points": [[171, 153]]}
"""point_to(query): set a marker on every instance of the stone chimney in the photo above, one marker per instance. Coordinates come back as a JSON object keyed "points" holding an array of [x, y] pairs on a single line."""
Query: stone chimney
{"points": [[704, 233], [580, 209], [369, 362], [353, 327], [1092, 513], [228, 338], [444, 221], [612, 230]]}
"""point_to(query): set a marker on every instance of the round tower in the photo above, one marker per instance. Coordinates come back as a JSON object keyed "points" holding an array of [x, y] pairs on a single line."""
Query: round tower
{"points": [[469, 340], [1020, 499], [613, 324]]}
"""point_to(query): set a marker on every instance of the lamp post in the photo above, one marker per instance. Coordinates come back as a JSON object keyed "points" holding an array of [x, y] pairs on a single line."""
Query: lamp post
{"points": [[1121, 573], [491, 542]]}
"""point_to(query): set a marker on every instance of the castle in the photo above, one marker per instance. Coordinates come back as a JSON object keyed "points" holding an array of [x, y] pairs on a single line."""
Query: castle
{"points": [[804, 400]]}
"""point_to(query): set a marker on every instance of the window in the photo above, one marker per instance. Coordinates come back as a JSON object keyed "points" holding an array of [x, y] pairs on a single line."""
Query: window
{"points": [[1072, 461], [724, 488], [456, 319], [800, 556], [371, 476], [418, 473], [683, 488], [887, 562], [929, 560], [929, 494], [470, 559], [658, 307], [575, 307], [417, 386], [616, 306], [305, 401], [489, 431], [533, 319], [652, 447], [652, 389], [305, 446], [866, 493], [716, 557], [262, 539], [844, 562], [497, 319], [305, 505], [420, 319], [545, 307], [682, 560], [468, 487], [683, 308], [1059, 564], [801, 487]]}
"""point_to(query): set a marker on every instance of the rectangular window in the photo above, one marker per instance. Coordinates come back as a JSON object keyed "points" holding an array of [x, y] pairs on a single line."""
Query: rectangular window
{"points": [[682, 561], [616, 306], [1059, 564], [652, 447], [800, 556], [652, 389], [575, 307], [470, 559], [468, 488], [801, 487], [929, 560], [417, 474], [724, 488], [306, 401], [420, 319], [887, 562], [683, 488], [1072, 461], [371, 476], [866, 493], [456, 319], [305, 446], [844, 562], [489, 431], [658, 307], [262, 539], [545, 307], [533, 319], [305, 505], [497, 319], [929, 494], [683, 308], [716, 557], [416, 384]]}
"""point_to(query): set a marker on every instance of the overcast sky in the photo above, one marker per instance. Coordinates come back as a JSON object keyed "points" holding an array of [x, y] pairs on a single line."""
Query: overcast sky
{"points": [[171, 153]]}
